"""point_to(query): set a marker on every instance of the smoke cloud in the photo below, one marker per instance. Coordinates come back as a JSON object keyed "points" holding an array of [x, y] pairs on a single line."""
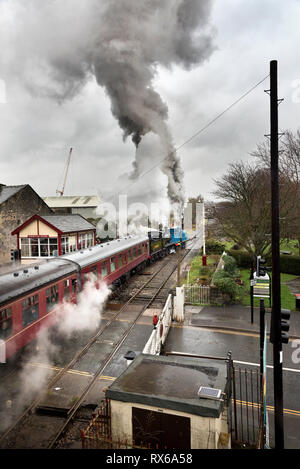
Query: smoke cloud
{"points": [[122, 43], [35, 371]]}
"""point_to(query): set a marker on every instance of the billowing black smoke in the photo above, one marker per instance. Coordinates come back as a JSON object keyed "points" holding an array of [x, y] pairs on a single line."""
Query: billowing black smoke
{"points": [[122, 43]]}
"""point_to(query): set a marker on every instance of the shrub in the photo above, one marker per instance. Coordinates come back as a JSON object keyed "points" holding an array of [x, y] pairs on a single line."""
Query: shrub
{"points": [[214, 247], [243, 258], [290, 265], [230, 266], [227, 285]]}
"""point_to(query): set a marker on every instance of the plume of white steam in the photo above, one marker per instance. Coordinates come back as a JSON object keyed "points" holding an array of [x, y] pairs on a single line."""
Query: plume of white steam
{"points": [[59, 45], [86, 314], [71, 318]]}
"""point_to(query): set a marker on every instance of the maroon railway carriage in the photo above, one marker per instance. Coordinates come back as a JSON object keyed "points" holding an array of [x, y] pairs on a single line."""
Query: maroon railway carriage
{"points": [[29, 296]]}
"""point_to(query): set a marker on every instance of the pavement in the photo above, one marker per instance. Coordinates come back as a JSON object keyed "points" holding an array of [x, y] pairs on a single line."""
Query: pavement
{"points": [[235, 317]]}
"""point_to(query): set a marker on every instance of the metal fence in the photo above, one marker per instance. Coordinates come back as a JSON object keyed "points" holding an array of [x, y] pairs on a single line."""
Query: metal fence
{"points": [[98, 432], [246, 408], [197, 294]]}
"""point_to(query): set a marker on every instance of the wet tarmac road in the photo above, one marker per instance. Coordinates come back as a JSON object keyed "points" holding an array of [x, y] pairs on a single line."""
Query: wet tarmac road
{"points": [[245, 353]]}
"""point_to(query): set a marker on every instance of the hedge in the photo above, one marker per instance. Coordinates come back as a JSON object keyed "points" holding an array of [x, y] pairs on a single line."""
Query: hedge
{"points": [[288, 264]]}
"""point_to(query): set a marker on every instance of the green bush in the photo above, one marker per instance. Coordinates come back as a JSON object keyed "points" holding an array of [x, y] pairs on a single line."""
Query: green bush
{"points": [[243, 258], [205, 270], [230, 266], [212, 246], [290, 265], [226, 284]]}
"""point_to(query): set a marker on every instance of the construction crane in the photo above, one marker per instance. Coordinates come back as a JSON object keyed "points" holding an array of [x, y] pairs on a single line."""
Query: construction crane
{"points": [[66, 173]]}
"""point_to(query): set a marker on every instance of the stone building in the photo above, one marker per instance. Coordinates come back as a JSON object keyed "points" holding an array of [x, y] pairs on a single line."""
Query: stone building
{"points": [[17, 204]]}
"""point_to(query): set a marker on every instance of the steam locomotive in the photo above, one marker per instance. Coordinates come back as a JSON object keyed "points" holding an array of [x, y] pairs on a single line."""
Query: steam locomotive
{"points": [[30, 295]]}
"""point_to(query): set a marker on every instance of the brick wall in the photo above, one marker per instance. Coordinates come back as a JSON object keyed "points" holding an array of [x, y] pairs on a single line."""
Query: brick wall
{"points": [[15, 211]]}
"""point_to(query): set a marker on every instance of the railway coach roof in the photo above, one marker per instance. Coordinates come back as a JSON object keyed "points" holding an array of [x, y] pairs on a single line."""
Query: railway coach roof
{"points": [[29, 277], [105, 250]]}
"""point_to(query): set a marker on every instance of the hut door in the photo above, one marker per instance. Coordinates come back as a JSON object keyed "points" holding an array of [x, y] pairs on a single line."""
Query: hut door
{"points": [[160, 430]]}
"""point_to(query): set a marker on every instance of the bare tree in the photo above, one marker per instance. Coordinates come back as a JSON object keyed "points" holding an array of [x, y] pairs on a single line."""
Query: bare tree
{"points": [[244, 212]]}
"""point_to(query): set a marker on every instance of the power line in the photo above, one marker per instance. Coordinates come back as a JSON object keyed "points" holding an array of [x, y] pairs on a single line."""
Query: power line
{"points": [[197, 133]]}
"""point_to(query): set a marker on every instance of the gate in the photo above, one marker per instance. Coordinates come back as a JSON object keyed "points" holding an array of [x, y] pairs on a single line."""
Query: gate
{"points": [[197, 294]]}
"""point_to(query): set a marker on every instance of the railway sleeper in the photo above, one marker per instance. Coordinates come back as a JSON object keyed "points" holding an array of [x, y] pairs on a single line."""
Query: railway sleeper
{"points": [[54, 411]]}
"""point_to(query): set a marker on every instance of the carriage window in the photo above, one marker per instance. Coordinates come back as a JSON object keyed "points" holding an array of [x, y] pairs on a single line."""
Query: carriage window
{"points": [[66, 288], [124, 259], [134, 252], [5, 323], [139, 250], [112, 264], [74, 285], [94, 273], [51, 297], [120, 260], [129, 256], [30, 310], [104, 270]]}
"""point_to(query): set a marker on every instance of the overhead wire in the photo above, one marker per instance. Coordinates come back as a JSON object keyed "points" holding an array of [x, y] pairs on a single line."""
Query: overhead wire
{"points": [[195, 134]]}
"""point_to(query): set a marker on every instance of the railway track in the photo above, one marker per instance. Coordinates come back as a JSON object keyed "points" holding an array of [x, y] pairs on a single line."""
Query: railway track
{"points": [[65, 407]]}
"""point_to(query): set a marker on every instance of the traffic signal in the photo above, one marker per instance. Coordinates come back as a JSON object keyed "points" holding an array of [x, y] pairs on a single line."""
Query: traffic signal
{"points": [[285, 315], [285, 325], [261, 270]]}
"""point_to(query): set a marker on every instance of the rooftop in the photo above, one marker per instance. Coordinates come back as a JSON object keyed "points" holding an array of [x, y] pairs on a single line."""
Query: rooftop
{"points": [[72, 201], [171, 382], [69, 222], [8, 191]]}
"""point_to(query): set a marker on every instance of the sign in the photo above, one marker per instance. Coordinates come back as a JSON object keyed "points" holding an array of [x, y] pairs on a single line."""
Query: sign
{"points": [[261, 287]]}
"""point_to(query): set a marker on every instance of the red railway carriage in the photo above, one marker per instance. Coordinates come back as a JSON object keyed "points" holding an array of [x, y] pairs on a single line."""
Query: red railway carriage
{"points": [[29, 296]]}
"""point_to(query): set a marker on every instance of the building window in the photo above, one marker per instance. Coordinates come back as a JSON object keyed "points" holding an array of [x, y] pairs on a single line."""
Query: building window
{"points": [[5, 323], [51, 297], [38, 247], [30, 310], [113, 264], [65, 245], [86, 240]]}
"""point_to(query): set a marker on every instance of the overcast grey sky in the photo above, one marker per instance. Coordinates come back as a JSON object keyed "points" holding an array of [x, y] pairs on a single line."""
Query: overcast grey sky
{"points": [[50, 100]]}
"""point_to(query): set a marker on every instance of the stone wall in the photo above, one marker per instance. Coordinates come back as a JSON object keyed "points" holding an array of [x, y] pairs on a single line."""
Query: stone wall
{"points": [[15, 211]]}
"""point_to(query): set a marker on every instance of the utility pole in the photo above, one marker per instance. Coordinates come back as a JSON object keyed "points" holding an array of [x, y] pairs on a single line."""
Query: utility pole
{"points": [[178, 263], [276, 304]]}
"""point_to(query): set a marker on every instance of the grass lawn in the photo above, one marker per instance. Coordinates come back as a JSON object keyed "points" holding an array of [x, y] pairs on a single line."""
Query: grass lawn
{"points": [[287, 299], [196, 265]]}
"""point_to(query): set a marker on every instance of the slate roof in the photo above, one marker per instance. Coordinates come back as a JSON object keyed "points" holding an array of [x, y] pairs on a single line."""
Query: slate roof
{"points": [[8, 191], [68, 223]]}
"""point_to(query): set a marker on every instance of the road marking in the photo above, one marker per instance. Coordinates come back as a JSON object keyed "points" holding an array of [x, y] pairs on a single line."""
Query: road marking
{"points": [[269, 407], [74, 372], [215, 329], [295, 370]]}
